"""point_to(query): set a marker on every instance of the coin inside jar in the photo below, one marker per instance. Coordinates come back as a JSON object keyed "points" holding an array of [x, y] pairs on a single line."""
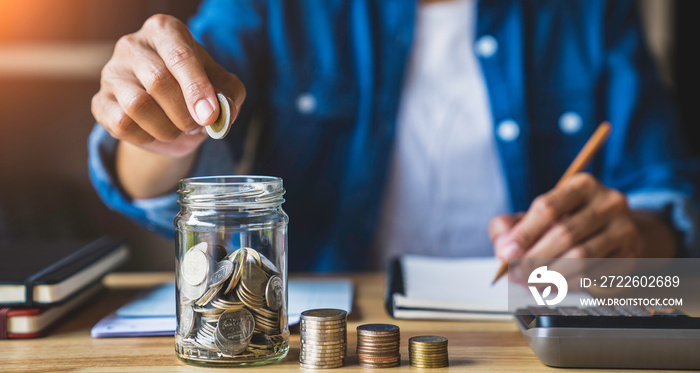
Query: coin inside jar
{"points": [[223, 271], [195, 267], [219, 129], [234, 330], [254, 280], [186, 321], [273, 293]]}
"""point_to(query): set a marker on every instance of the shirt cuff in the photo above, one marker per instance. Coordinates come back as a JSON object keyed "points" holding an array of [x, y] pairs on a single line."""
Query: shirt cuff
{"points": [[680, 210], [156, 214]]}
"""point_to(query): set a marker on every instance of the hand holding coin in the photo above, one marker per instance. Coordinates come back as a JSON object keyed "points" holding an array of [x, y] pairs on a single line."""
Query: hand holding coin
{"points": [[158, 89]]}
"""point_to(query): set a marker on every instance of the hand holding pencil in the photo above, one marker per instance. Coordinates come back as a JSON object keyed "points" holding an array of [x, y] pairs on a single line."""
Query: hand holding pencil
{"points": [[579, 218]]}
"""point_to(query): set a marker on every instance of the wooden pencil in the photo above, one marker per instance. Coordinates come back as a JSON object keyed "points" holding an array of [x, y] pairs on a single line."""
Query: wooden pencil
{"points": [[584, 157]]}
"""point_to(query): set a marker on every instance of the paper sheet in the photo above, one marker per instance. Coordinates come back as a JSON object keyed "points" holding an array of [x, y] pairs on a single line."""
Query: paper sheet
{"points": [[464, 282]]}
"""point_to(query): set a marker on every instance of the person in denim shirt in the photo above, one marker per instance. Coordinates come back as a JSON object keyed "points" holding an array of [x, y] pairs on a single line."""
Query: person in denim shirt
{"points": [[325, 81]]}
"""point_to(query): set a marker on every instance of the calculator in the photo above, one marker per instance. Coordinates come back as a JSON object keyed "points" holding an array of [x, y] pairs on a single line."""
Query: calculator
{"points": [[612, 337]]}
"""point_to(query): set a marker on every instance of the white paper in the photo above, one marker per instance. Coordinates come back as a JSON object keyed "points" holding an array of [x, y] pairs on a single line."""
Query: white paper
{"points": [[465, 281]]}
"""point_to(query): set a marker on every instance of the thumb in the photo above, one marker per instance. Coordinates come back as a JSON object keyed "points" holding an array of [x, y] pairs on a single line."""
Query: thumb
{"points": [[229, 85]]}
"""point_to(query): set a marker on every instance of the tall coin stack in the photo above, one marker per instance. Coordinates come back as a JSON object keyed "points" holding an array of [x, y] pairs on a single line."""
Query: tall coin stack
{"points": [[323, 338], [428, 351], [378, 345]]}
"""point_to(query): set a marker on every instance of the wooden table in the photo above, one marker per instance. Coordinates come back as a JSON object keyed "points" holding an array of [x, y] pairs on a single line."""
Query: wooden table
{"points": [[473, 346]]}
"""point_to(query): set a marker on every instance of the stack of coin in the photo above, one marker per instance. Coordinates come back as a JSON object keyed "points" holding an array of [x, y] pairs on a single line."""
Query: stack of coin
{"points": [[378, 345], [323, 338], [231, 304], [428, 351]]}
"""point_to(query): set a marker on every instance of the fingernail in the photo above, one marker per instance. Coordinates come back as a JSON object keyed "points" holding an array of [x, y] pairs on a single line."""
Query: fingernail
{"points": [[512, 250], [194, 131], [203, 109], [500, 241]]}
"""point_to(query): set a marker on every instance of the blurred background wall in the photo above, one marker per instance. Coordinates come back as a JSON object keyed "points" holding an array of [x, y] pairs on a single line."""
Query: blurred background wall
{"points": [[51, 54]]}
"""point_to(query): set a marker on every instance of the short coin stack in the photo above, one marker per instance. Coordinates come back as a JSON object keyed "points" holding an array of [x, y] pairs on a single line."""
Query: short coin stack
{"points": [[428, 351], [378, 345], [323, 338]]}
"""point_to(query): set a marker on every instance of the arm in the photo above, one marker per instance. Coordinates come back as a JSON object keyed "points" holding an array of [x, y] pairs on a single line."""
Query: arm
{"points": [[139, 179], [156, 91], [642, 200], [146, 174]]}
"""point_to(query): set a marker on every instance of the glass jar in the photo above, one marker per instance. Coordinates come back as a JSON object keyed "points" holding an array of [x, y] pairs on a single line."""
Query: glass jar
{"points": [[231, 271]]}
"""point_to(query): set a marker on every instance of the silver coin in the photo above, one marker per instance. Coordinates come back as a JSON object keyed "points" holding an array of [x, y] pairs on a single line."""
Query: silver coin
{"points": [[320, 366], [254, 280], [193, 293], [332, 360], [222, 125], [319, 358], [323, 328], [317, 343], [185, 301], [237, 261], [219, 252], [229, 347], [323, 334], [274, 295], [195, 267], [253, 257], [377, 329], [223, 271], [208, 296], [234, 331], [186, 321], [311, 352], [202, 246], [268, 266], [324, 314], [320, 348]]}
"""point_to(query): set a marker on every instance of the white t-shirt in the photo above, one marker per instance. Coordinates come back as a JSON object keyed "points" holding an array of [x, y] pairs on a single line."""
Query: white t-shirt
{"points": [[445, 181]]}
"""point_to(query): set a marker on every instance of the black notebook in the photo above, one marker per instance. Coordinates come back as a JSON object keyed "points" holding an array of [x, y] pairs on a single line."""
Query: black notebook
{"points": [[36, 274]]}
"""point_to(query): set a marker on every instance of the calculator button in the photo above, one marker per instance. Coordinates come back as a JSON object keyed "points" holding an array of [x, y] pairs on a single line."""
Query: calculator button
{"points": [[572, 311], [601, 311], [543, 311]]}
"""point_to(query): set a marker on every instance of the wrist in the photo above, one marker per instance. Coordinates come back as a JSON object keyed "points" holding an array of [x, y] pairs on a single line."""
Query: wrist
{"points": [[142, 173]]}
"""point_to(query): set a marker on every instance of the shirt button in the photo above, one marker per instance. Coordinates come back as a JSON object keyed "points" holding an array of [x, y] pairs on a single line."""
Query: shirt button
{"points": [[486, 46], [306, 103], [570, 123], [508, 130]]}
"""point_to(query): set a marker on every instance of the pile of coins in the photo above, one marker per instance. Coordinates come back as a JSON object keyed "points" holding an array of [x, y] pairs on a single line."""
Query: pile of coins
{"points": [[323, 338], [231, 304], [428, 351], [378, 345]]}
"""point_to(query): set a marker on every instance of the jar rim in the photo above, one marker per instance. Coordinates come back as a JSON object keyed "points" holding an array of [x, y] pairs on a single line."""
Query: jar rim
{"points": [[231, 191], [230, 179]]}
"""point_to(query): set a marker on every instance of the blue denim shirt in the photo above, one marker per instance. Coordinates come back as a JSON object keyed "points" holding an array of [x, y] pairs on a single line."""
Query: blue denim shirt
{"points": [[325, 77]]}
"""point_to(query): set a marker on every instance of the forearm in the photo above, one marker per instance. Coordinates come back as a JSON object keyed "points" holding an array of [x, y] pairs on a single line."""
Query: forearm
{"points": [[144, 174], [658, 237]]}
